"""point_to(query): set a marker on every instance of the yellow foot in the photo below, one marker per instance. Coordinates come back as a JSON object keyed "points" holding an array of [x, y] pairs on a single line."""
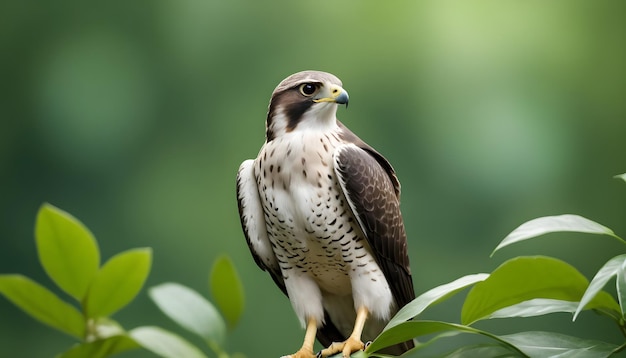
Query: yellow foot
{"points": [[347, 347], [302, 353]]}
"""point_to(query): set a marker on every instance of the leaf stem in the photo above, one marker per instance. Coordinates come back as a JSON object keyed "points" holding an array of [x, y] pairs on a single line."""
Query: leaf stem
{"points": [[217, 349], [619, 349], [622, 328]]}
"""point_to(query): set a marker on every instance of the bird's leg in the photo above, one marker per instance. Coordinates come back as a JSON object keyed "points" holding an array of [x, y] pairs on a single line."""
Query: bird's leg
{"points": [[353, 343], [306, 351]]}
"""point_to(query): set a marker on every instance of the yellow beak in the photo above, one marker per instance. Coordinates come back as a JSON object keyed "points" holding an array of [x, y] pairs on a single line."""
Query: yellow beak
{"points": [[335, 94]]}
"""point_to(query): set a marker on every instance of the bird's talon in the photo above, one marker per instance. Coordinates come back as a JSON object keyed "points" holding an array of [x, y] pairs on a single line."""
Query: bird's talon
{"points": [[367, 344], [346, 348]]}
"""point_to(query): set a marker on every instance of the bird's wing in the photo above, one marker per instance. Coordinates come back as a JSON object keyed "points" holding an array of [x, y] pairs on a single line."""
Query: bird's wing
{"points": [[372, 190], [253, 223]]}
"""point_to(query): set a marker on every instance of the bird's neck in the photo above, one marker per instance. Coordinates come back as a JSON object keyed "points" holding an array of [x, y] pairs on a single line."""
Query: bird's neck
{"points": [[311, 121]]}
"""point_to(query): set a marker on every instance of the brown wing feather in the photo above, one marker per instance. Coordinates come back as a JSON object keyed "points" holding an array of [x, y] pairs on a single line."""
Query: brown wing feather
{"points": [[370, 188], [370, 191], [349, 137], [373, 189]]}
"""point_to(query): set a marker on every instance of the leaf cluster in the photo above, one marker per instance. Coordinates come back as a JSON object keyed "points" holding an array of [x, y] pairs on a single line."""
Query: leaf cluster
{"points": [[70, 256], [523, 286]]}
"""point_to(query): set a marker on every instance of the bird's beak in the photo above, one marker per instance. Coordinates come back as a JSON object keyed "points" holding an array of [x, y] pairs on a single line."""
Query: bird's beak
{"points": [[334, 94]]}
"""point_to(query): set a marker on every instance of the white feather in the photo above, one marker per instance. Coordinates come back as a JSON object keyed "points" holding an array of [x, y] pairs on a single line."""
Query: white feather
{"points": [[253, 216]]}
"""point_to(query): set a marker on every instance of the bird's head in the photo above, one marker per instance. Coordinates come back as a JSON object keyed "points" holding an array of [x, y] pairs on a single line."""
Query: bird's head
{"points": [[306, 100]]}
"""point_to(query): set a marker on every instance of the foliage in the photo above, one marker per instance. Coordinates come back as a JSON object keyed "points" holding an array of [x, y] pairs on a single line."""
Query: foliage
{"points": [[523, 286], [70, 256]]}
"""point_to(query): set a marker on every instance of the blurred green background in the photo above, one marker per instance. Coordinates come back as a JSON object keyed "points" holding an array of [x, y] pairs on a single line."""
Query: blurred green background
{"points": [[134, 116]]}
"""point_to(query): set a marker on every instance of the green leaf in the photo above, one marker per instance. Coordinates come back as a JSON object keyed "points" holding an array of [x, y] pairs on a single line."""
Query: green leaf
{"points": [[481, 350], [550, 224], [549, 344], [621, 176], [604, 303], [118, 282], [164, 343], [190, 310], [621, 288], [521, 279], [43, 305], [534, 307], [405, 331], [358, 354], [67, 250], [227, 290], [610, 269], [435, 295], [101, 348], [102, 328], [412, 329]]}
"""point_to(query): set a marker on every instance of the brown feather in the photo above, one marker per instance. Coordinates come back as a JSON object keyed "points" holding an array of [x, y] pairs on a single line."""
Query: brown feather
{"points": [[374, 195]]}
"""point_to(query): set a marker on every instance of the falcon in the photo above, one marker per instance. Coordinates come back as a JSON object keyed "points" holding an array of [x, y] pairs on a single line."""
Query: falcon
{"points": [[321, 214]]}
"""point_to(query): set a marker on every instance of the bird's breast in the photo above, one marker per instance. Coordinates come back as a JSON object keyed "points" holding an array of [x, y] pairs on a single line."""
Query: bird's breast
{"points": [[296, 177], [308, 219]]}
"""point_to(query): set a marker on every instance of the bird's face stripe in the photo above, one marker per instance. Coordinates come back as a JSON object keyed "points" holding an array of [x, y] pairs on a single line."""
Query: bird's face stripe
{"points": [[294, 112]]}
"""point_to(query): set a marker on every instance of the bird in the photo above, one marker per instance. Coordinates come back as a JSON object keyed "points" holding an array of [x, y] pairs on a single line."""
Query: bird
{"points": [[320, 211]]}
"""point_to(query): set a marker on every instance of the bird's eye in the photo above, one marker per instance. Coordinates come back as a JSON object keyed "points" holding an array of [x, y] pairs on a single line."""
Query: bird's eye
{"points": [[308, 89]]}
